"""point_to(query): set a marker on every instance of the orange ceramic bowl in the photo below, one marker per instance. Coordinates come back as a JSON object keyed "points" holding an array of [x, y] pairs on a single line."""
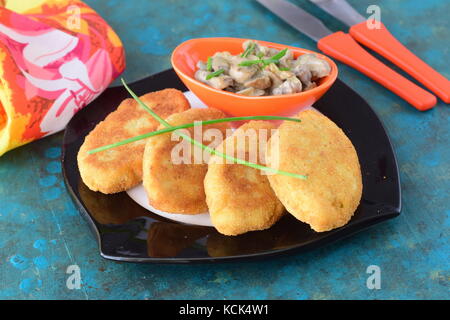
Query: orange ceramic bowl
{"points": [[184, 61]]}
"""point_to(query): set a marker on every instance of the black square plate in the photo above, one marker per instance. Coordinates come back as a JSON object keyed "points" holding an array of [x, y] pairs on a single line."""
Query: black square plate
{"points": [[127, 232]]}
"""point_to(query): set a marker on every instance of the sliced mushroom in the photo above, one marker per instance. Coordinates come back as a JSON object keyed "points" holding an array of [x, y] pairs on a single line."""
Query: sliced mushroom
{"points": [[259, 81], [200, 75], [237, 59], [303, 73], [238, 87], [201, 65], [318, 67], [276, 81], [248, 43], [224, 54], [220, 82], [242, 74], [283, 75], [291, 85], [251, 92], [220, 63], [310, 86], [285, 60], [258, 48], [272, 51]]}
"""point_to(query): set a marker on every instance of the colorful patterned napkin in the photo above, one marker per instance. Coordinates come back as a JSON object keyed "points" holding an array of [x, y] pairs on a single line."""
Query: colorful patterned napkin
{"points": [[56, 56]]}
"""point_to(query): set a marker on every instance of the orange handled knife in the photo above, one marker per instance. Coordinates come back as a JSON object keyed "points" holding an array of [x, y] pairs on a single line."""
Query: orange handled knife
{"points": [[344, 48], [383, 42]]}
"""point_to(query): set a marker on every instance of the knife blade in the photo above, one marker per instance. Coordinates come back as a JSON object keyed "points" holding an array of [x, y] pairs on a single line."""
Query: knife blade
{"points": [[383, 42], [297, 18], [344, 48], [341, 10]]}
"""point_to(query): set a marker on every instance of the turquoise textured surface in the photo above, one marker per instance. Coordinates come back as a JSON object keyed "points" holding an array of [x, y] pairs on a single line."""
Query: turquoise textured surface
{"points": [[41, 232]]}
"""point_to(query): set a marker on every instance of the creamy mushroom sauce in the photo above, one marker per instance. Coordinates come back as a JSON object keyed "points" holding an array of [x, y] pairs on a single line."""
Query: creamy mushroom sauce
{"points": [[262, 71]]}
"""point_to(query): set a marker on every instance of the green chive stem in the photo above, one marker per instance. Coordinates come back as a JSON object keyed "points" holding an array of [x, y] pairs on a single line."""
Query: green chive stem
{"points": [[184, 126], [266, 62], [210, 150], [249, 49], [279, 55], [249, 63], [215, 74], [209, 64], [275, 59]]}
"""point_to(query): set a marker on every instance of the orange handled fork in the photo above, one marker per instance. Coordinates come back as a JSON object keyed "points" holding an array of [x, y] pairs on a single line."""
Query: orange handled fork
{"points": [[344, 48]]}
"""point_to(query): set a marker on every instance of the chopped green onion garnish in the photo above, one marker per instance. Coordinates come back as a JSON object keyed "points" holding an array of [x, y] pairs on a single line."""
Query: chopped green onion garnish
{"points": [[208, 149], [260, 55], [249, 63], [215, 74], [266, 62], [248, 50], [284, 69], [279, 55], [209, 64], [276, 58], [188, 125]]}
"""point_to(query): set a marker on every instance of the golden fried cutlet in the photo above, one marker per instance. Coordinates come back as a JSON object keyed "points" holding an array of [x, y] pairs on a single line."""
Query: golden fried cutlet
{"points": [[240, 198], [118, 169], [173, 185], [318, 148]]}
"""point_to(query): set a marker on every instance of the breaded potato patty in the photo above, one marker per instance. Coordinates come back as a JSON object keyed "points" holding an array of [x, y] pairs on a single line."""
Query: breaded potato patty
{"points": [[172, 184], [240, 198], [318, 148], [118, 169]]}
